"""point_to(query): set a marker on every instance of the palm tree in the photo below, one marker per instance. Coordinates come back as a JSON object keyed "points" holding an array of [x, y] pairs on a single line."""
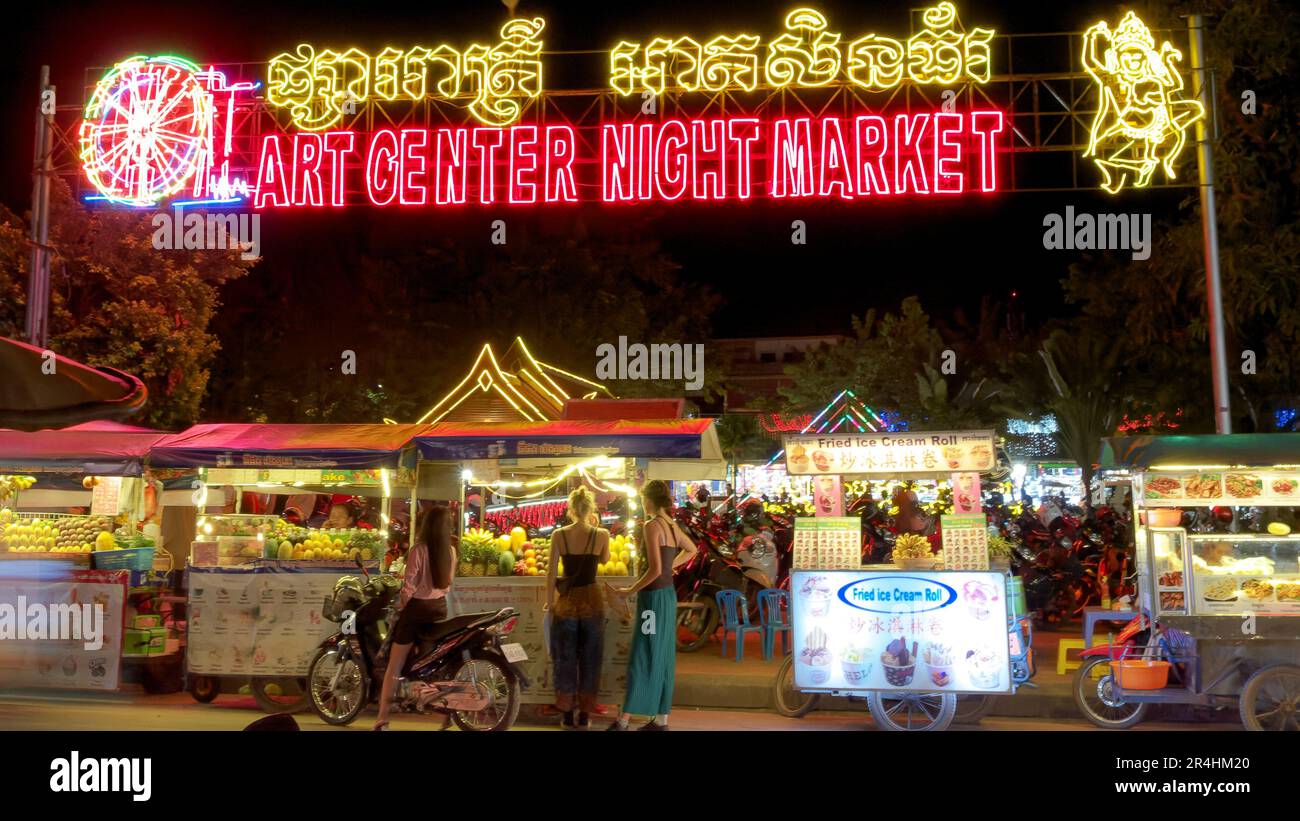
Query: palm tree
{"points": [[740, 436], [1087, 390]]}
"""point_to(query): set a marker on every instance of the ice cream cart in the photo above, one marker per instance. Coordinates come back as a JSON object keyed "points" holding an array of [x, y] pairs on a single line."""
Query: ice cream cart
{"points": [[908, 637], [1218, 576]]}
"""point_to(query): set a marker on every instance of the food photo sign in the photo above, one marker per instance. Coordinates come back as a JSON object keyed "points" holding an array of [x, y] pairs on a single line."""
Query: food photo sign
{"points": [[916, 631], [934, 453], [1219, 487]]}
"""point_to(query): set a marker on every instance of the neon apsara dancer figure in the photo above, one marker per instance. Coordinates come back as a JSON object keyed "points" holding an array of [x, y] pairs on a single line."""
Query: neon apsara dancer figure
{"points": [[1139, 126]]}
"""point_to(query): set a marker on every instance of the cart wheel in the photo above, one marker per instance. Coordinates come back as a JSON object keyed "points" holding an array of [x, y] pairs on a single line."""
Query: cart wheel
{"points": [[280, 695], [912, 712], [1097, 701], [1271, 699], [971, 709], [791, 702], [204, 689]]}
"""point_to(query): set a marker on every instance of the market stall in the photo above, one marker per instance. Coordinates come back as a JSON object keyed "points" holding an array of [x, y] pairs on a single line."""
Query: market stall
{"points": [[531, 461], [79, 522], [912, 636], [1218, 560], [257, 581]]}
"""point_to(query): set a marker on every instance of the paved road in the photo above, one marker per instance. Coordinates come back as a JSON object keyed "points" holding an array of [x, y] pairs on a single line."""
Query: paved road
{"points": [[180, 712]]}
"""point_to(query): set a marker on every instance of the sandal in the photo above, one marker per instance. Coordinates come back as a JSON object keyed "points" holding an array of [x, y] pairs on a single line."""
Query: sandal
{"points": [[382, 725]]}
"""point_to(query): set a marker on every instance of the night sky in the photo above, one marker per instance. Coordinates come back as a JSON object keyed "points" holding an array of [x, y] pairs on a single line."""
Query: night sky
{"points": [[860, 255]]}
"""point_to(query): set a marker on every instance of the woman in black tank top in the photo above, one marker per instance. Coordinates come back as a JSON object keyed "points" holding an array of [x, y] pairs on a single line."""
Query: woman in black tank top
{"points": [[578, 612]]}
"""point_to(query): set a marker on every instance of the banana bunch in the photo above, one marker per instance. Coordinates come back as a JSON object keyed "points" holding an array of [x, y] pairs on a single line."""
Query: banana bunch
{"points": [[9, 485], [911, 546]]}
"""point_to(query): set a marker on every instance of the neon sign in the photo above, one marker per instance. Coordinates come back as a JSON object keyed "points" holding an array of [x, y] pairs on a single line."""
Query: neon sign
{"points": [[319, 87], [1141, 125], [157, 127], [807, 55], [732, 158]]}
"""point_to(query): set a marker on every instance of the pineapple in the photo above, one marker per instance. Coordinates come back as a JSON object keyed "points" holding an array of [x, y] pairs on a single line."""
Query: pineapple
{"points": [[465, 562], [477, 560]]}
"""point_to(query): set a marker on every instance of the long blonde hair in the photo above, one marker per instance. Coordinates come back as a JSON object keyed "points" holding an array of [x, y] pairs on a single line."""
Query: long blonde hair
{"points": [[581, 505]]}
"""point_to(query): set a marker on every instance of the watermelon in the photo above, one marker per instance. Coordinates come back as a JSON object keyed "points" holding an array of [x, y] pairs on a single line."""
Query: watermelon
{"points": [[506, 563]]}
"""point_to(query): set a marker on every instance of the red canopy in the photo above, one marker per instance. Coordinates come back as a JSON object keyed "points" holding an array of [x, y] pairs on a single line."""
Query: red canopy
{"points": [[76, 451], [358, 447]]}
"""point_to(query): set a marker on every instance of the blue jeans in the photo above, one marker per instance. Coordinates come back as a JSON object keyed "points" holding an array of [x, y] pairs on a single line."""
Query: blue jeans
{"points": [[577, 647]]}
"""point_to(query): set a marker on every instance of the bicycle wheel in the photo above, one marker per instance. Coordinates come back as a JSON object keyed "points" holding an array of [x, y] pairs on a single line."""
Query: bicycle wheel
{"points": [[1271, 699], [791, 702], [1097, 700], [912, 712]]}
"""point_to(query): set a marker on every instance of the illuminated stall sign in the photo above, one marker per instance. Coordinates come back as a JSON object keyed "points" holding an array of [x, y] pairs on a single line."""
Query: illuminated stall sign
{"points": [[164, 128], [733, 158]]}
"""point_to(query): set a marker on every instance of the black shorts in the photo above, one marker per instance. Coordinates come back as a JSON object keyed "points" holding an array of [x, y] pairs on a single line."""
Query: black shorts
{"points": [[416, 614]]}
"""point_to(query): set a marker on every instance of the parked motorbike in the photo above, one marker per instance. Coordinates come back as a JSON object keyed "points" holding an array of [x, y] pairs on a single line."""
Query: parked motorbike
{"points": [[1094, 686], [750, 557], [458, 668]]}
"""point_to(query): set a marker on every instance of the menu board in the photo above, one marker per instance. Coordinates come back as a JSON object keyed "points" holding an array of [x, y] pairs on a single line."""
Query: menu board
{"points": [[80, 647], [260, 622], [889, 454], [105, 495], [827, 542], [527, 594], [941, 631], [965, 541], [1234, 594], [1221, 487]]}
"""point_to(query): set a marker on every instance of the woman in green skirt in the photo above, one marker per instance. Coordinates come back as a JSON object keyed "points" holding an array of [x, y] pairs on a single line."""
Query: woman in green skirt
{"points": [[652, 664]]}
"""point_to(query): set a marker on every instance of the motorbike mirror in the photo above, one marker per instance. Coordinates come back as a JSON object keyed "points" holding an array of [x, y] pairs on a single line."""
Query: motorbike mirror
{"points": [[361, 566]]}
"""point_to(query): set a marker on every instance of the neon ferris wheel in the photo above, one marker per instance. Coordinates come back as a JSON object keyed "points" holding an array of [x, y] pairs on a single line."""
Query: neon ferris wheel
{"points": [[146, 129]]}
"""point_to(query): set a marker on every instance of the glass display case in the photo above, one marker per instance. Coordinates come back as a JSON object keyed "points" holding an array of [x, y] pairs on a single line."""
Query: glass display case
{"points": [[1238, 573], [1168, 566]]}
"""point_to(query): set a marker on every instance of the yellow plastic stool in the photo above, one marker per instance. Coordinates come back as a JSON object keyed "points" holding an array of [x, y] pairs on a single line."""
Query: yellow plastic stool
{"points": [[1063, 662]]}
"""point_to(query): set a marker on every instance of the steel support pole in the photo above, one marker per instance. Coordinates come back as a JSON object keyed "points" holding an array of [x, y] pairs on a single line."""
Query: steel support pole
{"points": [[1209, 228], [38, 273]]}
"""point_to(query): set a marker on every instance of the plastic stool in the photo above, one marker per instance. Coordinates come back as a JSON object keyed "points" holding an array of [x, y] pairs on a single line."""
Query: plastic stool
{"points": [[1063, 662]]}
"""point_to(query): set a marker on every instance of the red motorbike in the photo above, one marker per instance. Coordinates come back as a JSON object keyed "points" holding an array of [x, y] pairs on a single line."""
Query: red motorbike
{"points": [[1094, 685]]}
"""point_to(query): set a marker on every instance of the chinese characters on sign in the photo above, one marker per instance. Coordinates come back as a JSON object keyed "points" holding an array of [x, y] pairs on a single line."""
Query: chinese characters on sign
{"points": [[918, 631]]}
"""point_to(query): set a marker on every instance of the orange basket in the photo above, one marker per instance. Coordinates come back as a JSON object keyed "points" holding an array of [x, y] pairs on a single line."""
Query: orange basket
{"points": [[1140, 674]]}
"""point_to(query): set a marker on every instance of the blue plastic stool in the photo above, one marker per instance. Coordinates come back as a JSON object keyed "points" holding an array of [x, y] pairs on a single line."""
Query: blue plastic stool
{"points": [[735, 619], [774, 617]]}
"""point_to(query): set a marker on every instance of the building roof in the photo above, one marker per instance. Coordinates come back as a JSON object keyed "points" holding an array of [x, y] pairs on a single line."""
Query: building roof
{"points": [[513, 387]]}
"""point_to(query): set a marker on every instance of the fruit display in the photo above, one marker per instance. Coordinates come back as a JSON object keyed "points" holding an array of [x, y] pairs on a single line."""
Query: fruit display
{"points": [[64, 534], [270, 537], [478, 553], [620, 558], [911, 546], [535, 558], [10, 485]]}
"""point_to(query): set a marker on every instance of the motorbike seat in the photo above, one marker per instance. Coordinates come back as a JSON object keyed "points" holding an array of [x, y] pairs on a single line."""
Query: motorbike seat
{"points": [[440, 630]]}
